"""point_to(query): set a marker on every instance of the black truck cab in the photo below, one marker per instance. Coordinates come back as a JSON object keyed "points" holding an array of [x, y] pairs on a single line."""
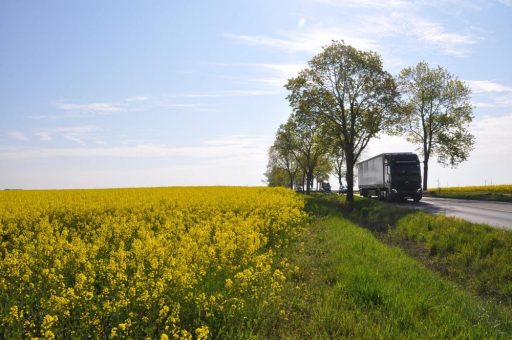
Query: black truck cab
{"points": [[403, 176]]}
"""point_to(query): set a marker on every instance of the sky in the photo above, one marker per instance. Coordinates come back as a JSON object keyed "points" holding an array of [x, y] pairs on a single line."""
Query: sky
{"points": [[98, 94]]}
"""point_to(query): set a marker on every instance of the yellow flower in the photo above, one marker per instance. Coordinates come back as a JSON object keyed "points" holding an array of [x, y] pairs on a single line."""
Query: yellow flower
{"points": [[202, 332]]}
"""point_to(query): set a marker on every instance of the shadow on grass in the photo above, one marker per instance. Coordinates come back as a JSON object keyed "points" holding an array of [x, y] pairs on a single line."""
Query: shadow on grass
{"points": [[380, 216]]}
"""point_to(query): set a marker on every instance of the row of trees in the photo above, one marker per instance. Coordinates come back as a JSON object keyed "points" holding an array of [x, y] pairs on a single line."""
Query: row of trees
{"points": [[344, 98]]}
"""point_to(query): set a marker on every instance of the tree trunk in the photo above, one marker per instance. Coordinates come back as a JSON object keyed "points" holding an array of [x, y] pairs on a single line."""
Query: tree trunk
{"points": [[350, 175], [308, 182], [425, 173], [340, 181]]}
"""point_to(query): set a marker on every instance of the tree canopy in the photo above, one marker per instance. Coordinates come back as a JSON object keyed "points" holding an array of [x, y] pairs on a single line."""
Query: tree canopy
{"points": [[351, 96], [436, 111]]}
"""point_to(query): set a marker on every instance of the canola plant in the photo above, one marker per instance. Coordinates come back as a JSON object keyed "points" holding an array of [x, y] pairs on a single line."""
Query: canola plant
{"points": [[158, 263]]}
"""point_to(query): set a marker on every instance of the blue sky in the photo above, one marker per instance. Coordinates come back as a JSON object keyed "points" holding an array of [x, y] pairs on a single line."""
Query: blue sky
{"points": [[157, 93]]}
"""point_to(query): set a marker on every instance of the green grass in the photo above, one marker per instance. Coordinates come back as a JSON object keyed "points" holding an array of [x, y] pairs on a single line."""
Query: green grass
{"points": [[351, 285], [476, 256]]}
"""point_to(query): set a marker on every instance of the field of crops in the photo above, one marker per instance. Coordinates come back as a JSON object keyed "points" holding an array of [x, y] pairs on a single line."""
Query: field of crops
{"points": [[163, 262], [485, 192], [504, 188]]}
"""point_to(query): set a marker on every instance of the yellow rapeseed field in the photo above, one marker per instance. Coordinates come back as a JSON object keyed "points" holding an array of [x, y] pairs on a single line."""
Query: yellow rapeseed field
{"points": [[159, 263], [503, 188]]}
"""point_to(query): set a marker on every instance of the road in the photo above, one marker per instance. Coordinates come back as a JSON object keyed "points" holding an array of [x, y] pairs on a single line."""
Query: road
{"points": [[497, 214]]}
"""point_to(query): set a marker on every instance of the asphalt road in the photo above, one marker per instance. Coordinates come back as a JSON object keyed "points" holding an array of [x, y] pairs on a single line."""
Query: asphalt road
{"points": [[497, 214]]}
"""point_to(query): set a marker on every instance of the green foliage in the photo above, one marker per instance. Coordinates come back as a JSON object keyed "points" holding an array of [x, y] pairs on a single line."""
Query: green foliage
{"points": [[349, 94], [437, 112], [283, 168]]}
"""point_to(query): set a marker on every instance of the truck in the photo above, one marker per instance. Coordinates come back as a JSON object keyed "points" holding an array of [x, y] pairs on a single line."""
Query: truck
{"points": [[391, 176]]}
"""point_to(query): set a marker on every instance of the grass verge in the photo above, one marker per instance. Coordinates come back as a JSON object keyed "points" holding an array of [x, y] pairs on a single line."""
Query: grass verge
{"points": [[476, 256], [351, 285]]}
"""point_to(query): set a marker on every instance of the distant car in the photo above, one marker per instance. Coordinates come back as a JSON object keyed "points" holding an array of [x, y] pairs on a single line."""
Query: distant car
{"points": [[326, 187], [299, 189], [342, 190]]}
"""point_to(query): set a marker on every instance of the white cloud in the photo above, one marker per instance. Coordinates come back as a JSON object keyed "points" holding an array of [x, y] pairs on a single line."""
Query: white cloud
{"points": [[310, 41], [223, 93], [91, 107], [230, 172], [125, 104], [406, 22], [365, 3], [276, 75], [136, 99], [77, 134], [227, 160], [506, 2], [392, 19], [236, 146], [44, 135], [18, 136], [485, 86], [491, 94], [436, 34]]}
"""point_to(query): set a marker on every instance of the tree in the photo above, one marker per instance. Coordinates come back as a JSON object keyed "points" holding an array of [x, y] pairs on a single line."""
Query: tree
{"points": [[437, 112], [349, 91], [338, 163], [322, 169], [275, 175], [283, 153], [308, 146]]}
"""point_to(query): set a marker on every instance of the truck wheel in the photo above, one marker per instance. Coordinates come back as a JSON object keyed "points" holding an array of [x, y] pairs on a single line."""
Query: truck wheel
{"points": [[416, 199]]}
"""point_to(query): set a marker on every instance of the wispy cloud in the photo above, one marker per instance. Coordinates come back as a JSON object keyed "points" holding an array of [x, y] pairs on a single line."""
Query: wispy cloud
{"points": [[77, 134], [365, 3], [310, 41], [19, 136], [222, 93], [100, 108], [44, 135], [365, 29], [81, 134], [491, 94], [506, 2], [129, 104], [136, 99], [403, 20], [488, 86], [236, 146], [436, 35], [276, 75]]}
